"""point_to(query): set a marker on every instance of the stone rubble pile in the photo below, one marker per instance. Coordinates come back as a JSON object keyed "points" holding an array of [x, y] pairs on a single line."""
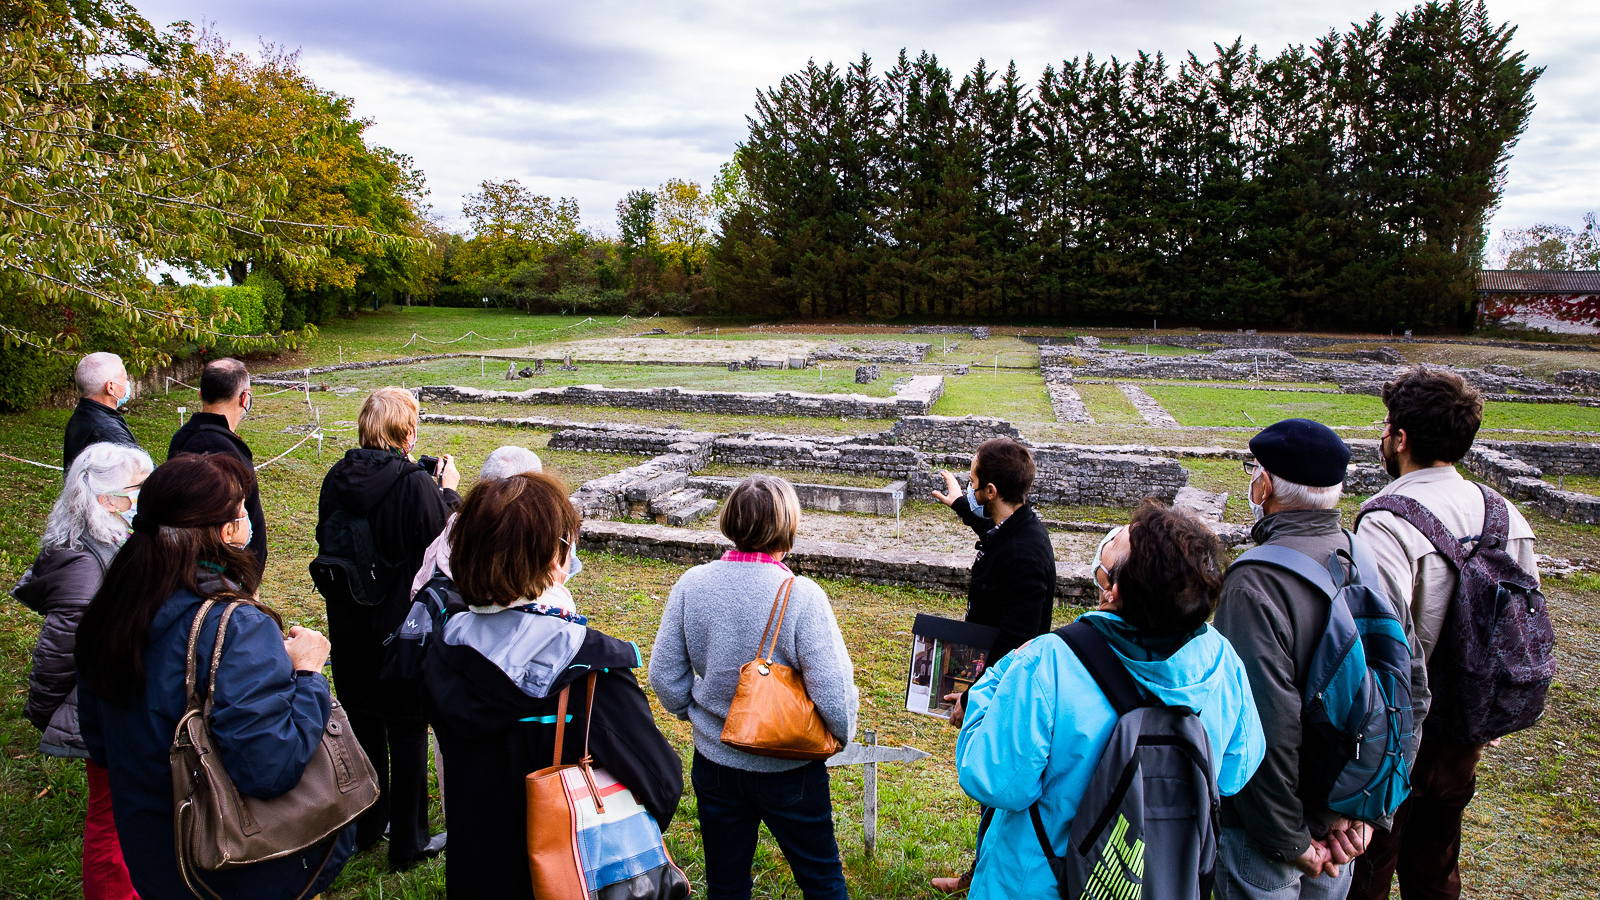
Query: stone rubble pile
{"points": [[895, 352]]}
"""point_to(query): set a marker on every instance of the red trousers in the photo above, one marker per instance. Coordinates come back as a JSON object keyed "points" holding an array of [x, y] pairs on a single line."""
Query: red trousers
{"points": [[1424, 846], [105, 875]]}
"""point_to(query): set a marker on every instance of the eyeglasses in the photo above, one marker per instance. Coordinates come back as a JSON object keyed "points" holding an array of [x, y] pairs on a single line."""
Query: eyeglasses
{"points": [[1251, 467]]}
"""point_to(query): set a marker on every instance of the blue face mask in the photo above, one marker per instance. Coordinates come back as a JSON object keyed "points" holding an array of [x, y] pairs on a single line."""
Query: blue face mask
{"points": [[972, 501], [127, 394]]}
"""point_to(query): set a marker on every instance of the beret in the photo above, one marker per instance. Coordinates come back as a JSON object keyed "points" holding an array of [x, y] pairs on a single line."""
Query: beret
{"points": [[1302, 451]]}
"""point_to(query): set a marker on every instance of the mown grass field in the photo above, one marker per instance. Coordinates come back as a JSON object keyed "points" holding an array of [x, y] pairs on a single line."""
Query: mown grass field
{"points": [[1533, 832]]}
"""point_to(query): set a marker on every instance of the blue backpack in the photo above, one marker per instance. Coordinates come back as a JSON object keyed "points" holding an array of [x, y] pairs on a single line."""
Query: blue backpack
{"points": [[1358, 746]]}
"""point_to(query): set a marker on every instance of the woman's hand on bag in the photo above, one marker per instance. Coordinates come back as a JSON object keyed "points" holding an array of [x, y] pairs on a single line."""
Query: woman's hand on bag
{"points": [[308, 649]]}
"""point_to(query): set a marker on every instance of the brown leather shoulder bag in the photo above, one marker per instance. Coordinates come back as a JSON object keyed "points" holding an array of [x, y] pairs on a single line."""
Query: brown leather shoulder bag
{"points": [[771, 713], [216, 828]]}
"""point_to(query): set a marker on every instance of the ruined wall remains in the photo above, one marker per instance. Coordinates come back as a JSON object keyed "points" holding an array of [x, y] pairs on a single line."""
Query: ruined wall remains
{"points": [[950, 434], [915, 398]]}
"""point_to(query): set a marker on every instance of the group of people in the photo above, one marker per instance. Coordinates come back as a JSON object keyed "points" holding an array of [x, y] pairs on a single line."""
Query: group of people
{"points": [[132, 551]]}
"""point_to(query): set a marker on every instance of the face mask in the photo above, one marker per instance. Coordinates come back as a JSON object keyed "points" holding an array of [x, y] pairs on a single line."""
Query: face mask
{"points": [[972, 501], [248, 533], [128, 514], [1256, 509], [127, 394], [574, 564]]}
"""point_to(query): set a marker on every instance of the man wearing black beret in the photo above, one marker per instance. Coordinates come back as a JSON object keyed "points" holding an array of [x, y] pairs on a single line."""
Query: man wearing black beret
{"points": [[1275, 843]]}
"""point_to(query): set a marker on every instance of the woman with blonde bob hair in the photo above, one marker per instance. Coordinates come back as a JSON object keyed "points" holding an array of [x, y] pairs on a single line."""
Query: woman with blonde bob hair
{"points": [[495, 671], [713, 621], [403, 508]]}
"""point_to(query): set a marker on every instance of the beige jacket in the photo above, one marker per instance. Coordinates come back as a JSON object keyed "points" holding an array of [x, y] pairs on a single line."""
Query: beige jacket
{"points": [[1415, 573]]}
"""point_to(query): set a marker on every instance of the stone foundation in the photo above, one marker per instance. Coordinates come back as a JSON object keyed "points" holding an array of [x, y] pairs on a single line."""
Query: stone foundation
{"points": [[944, 572], [914, 399], [1520, 480], [884, 501], [950, 434]]}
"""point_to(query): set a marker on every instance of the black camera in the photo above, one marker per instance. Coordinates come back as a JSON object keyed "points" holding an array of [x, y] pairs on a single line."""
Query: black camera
{"points": [[431, 464]]}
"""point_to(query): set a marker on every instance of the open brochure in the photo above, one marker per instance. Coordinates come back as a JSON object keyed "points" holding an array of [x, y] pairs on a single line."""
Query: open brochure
{"points": [[947, 656]]}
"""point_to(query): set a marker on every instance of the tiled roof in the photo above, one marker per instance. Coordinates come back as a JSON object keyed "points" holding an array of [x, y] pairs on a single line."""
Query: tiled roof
{"points": [[1512, 281]]}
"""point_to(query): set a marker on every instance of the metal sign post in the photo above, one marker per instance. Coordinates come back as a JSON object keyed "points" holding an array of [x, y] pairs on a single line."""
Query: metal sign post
{"points": [[869, 754], [898, 497]]}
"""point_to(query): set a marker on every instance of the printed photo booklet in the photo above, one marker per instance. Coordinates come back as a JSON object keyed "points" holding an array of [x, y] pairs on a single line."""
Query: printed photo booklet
{"points": [[947, 656]]}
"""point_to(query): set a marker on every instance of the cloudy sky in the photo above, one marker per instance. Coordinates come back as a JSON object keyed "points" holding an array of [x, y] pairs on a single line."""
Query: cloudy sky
{"points": [[591, 100]]}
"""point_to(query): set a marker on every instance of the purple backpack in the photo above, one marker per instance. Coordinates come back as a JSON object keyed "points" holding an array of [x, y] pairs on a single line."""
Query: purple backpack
{"points": [[1495, 656]]}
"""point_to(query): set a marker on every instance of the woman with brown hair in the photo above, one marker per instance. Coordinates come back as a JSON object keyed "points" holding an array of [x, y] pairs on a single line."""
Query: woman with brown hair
{"points": [[403, 508], [494, 672], [189, 544]]}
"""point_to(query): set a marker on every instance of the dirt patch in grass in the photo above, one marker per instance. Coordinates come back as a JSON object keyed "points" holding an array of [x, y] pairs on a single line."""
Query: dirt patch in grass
{"points": [[682, 350]]}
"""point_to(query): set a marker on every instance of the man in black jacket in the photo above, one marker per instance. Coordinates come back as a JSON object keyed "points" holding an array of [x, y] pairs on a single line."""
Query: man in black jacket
{"points": [[224, 402], [1013, 585], [1013, 582], [103, 387]]}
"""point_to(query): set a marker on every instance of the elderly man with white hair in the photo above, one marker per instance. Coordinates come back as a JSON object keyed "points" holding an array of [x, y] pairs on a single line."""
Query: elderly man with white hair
{"points": [[103, 388], [502, 463]]}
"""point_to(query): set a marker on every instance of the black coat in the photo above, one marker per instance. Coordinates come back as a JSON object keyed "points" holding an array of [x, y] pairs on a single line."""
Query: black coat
{"points": [[489, 746], [91, 423], [59, 586], [407, 510], [209, 433], [1013, 585]]}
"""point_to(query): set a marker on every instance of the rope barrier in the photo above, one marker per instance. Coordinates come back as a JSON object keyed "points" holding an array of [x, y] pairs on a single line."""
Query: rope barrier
{"points": [[29, 462], [314, 434]]}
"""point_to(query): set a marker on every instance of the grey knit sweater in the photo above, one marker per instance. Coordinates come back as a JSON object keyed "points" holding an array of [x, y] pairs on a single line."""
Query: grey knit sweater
{"points": [[711, 626]]}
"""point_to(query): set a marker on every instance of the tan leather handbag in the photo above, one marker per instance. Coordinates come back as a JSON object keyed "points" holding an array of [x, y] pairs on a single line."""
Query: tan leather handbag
{"points": [[771, 713], [216, 828]]}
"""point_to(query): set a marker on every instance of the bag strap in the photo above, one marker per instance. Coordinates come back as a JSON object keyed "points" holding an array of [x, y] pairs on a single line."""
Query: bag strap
{"points": [[561, 722], [1294, 561], [216, 653], [192, 878], [1496, 519], [194, 639], [780, 605], [1423, 520], [1108, 672]]}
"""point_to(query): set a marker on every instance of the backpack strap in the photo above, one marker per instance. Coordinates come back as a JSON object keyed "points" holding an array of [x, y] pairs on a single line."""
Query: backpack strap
{"points": [[1108, 672], [1496, 519], [1294, 561], [1425, 522]]}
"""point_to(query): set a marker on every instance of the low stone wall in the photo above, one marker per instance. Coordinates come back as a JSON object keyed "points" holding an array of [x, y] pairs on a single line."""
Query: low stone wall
{"points": [[1584, 380], [978, 332], [944, 572], [1553, 457], [1521, 481], [950, 433], [915, 398], [884, 501], [902, 352], [1075, 477], [632, 439], [807, 455]]}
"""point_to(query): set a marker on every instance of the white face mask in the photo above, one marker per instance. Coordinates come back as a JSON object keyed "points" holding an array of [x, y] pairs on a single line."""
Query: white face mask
{"points": [[1256, 509], [248, 532]]}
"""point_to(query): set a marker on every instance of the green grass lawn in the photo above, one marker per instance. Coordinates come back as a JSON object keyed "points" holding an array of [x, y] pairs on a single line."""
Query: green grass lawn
{"points": [[950, 349], [1154, 349], [1219, 406], [489, 374], [1015, 396], [1108, 405], [1532, 832]]}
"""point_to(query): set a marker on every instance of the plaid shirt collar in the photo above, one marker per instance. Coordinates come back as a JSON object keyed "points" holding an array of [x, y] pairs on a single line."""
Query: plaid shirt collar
{"points": [[741, 556]]}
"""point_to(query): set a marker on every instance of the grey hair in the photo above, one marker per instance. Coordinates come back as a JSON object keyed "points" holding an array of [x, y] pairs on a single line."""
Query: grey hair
{"points": [[78, 520], [1300, 496], [508, 461], [95, 370]]}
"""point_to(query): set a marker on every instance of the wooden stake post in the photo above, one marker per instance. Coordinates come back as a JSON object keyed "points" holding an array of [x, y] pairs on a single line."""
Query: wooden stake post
{"points": [[867, 753]]}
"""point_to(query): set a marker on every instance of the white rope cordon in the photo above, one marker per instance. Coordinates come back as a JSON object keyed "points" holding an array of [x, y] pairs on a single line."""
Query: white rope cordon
{"points": [[308, 437], [29, 462]]}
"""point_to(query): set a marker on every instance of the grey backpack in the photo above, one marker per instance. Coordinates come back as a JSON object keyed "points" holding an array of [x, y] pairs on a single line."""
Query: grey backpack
{"points": [[1153, 788]]}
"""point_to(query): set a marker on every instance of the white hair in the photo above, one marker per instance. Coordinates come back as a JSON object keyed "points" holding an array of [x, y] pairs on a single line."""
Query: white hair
{"points": [[95, 370], [78, 520], [1300, 496], [508, 461]]}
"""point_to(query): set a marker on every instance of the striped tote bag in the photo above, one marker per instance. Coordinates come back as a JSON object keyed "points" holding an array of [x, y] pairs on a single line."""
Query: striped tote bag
{"points": [[588, 837]]}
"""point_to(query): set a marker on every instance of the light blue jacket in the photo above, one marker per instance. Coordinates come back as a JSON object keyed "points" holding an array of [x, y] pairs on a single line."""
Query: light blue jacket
{"points": [[1036, 725]]}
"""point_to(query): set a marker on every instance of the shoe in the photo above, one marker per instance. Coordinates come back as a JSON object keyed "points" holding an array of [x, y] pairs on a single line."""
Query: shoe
{"points": [[433, 849], [952, 885]]}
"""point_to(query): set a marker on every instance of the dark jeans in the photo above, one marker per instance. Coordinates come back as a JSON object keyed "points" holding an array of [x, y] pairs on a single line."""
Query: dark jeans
{"points": [[798, 811], [399, 753], [1424, 846]]}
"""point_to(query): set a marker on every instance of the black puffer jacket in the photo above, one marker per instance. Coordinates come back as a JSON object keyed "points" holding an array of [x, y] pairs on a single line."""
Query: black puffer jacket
{"points": [[407, 510], [91, 423], [1013, 585], [59, 586], [209, 433]]}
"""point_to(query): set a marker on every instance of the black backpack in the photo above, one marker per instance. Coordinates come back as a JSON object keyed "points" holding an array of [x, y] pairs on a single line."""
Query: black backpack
{"points": [[1153, 789], [348, 567], [405, 649], [1495, 656]]}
